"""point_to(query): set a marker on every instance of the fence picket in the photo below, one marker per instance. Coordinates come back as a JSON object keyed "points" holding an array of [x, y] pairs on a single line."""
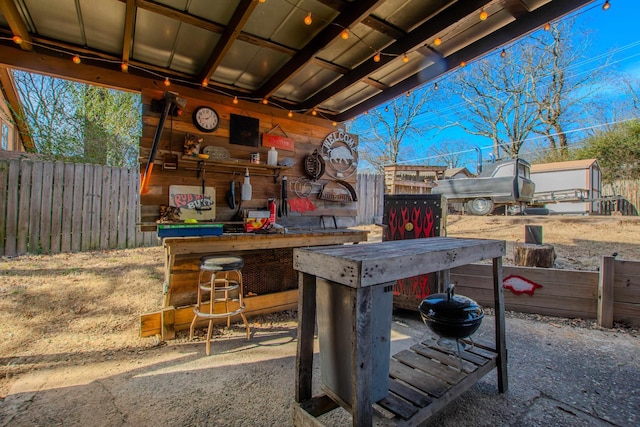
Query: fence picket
{"points": [[57, 207], [11, 226], [113, 208], [4, 178], [46, 187], [23, 207], [105, 208], [96, 205], [35, 206], [87, 188]]}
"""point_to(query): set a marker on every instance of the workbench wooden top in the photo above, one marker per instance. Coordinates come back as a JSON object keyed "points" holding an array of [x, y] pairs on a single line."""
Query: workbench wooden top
{"points": [[250, 241], [376, 263]]}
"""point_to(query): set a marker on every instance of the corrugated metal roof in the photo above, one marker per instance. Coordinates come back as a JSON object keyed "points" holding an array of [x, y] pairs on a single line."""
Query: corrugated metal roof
{"points": [[568, 165], [257, 50]]}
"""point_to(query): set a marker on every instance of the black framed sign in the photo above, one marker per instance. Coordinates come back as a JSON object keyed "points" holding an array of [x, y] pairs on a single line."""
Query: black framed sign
{"points": [[244, 131]]}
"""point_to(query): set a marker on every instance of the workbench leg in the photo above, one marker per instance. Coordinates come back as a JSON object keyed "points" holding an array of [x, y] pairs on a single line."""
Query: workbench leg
{"points": [[361, 369], [306, 327], [501, 346], [169, 261]]}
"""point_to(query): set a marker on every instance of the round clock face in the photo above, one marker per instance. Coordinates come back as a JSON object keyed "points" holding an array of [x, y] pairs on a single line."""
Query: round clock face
{"points": [[206, 119]]}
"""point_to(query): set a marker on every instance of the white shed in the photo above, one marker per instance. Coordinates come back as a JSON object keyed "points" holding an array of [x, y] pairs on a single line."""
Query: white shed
{"points": [[568, 187]]}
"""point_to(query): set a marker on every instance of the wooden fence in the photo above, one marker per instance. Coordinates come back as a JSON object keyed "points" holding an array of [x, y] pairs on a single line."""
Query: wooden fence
{"points": [[49, 208], [629, 190], [370, 190], [608, 295]]}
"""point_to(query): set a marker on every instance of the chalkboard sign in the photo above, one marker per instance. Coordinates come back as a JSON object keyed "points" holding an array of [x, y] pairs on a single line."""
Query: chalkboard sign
{"points": [[244, 131]]}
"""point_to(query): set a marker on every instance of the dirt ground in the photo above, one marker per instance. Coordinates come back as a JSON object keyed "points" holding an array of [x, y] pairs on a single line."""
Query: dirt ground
{"points": [[75, 309]]}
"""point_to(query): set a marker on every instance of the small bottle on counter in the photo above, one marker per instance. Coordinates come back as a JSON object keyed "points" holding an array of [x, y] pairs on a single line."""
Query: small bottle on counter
{"points": [[272, 157], [246, 186]]}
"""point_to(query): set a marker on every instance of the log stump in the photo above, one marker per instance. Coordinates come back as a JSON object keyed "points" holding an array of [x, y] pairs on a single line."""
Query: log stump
{"points": [[530, 255]]}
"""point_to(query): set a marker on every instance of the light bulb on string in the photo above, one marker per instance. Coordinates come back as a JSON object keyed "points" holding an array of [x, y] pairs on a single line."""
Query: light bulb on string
{"points": [[124, 67], [334, 124], [463, 63], [307, 19], [265, 101], [17, 39], [408, 94], [405, 58], [205, 83], [376, 57], [167, 82], [503, 53], [547, 26], [483, 15], [235, 100], [314, 113], [290, 113], [344, 34], [606, 5], [437, 41], [76, 59], [435, 86], [386, 109]]}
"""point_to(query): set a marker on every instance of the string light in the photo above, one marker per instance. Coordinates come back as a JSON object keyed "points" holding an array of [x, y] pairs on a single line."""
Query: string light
{"points": [[235, 100], [606, 5], [314, 113], [503, 53], [76, 59], [307, 19], [483, 15], [405, 58], [265, 101], [334, 124], [344, 34], [435, 86], [205, 83], [290, 113], [261, 1], [124, 67], [437, 41], [17, 39], [463, 63], [167, 82], [386, 109], [547, 26], [376, 57], [408, 94]]}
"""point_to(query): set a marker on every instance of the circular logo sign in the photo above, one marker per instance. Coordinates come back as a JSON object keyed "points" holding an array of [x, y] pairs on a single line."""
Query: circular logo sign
{"points": [[340, 154]]}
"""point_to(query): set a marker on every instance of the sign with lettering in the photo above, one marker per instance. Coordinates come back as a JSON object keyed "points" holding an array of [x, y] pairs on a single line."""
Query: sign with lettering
{"points": [[277, 141]]}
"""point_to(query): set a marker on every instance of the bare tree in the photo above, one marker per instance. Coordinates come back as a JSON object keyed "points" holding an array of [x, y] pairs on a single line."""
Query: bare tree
{"points": [[562, 89], [383, 132]]}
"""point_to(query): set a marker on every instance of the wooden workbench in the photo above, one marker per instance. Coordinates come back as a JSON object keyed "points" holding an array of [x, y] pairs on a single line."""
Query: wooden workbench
{"points": [[181, 268], [362, 268]]}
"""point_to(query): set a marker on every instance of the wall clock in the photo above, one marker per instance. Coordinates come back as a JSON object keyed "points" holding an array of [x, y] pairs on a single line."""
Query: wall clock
{"points": [[206, 119]]}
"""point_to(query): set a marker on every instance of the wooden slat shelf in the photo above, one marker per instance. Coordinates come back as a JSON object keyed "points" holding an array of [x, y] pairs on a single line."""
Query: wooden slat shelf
{"points": [[426, 377]]}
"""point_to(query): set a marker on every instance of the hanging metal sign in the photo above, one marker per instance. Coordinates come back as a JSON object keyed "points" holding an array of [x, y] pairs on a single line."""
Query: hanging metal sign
{"points": [[340, 153]]}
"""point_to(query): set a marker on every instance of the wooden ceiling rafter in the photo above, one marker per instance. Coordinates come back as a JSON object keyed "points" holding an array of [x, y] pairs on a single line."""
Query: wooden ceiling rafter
{"points": [[229, 35], [129, 25], [411, 41], [517, 28], [354, 14], [16, 23]]}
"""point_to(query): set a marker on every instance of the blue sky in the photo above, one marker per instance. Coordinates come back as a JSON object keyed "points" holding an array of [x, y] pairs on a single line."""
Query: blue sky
{"points": [[614, 36]]}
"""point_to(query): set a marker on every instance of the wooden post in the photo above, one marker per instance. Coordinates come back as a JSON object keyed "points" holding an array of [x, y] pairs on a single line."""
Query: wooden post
{"points": [[605, 291], [501, 344], [168, 322], [306, 325]]}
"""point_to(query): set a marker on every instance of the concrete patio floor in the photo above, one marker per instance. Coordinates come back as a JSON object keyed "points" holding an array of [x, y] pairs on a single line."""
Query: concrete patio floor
{"points": [[559, 375]]}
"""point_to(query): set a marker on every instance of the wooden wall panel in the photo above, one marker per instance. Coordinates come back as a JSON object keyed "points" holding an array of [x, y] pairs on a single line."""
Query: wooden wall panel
{"points": [[308, 133]]}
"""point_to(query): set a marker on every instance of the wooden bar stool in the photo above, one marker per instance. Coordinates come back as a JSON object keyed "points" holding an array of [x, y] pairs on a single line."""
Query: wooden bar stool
{"points": [[219, 292]]}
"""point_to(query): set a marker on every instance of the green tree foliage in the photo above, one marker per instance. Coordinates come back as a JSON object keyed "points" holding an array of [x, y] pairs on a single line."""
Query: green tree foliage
{"points": [[75, 122], [617, 151]]}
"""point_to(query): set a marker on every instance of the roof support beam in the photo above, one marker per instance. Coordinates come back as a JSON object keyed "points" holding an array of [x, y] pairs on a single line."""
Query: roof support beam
{"points": [[11, 95], [229, 35], [356, 13], [440, 22], [129, 24], [17, 25], [516, 29]]}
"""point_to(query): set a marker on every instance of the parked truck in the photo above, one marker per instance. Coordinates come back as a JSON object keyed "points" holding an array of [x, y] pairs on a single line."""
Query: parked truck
{"points": [[505, 183]]}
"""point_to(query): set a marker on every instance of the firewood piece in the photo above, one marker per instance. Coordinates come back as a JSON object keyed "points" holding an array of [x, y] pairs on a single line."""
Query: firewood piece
{"points": [[530, 255]]}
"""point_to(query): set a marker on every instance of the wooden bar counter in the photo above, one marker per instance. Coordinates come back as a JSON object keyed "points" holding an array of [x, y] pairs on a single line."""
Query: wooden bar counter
{"points": [[263, 253], [357, 274]]}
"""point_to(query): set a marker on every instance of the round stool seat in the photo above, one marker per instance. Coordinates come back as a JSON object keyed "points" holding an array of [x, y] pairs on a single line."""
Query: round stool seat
{"points": [[221, 263]]}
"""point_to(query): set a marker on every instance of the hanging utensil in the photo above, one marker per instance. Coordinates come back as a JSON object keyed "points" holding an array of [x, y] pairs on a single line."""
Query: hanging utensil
{"points": [[314, 165], [284, 207], [231, 195]]}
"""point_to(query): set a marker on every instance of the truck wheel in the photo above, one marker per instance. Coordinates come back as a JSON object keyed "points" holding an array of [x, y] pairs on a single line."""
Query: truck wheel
{"points": [[480, 206]]}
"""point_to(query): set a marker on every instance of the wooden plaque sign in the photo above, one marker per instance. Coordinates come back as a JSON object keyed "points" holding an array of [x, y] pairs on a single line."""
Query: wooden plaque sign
{"points": [[277, 141]]}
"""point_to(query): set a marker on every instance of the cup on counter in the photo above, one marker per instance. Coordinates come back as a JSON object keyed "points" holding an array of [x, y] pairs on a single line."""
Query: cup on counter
{"points": [[255, 158]]}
